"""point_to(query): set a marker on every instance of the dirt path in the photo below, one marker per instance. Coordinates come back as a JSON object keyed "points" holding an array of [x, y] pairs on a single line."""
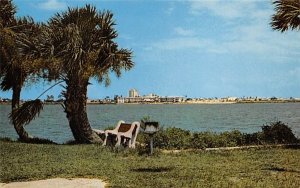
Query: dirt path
{"points": [[237, 147], [57, 182]]}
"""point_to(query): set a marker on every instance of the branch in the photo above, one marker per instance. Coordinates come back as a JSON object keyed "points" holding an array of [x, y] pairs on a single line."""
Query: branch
{"points": [[49, 89]]}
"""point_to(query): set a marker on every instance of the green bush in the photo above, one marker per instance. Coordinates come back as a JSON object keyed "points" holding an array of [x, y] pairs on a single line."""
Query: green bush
{"points": [[253, 138], [176, 138], [278, 133], [170, 138], [202, 140], [232, 138]]}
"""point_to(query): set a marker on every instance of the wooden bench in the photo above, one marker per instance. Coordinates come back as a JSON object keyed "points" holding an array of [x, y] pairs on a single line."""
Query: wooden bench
{"points": [[124, 131], [128, 136]]}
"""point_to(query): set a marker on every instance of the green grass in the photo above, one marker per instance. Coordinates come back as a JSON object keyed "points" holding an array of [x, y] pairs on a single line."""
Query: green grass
{"points": [[268, 167]]}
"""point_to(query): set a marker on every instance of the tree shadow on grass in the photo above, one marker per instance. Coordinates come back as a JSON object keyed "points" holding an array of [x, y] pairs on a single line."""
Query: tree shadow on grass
{"points": [[152, 169], [280, 169]]}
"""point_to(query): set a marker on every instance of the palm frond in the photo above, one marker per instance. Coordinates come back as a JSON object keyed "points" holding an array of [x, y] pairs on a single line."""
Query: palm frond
{"points": [[7, 12], [287, 15], [79, 42], [6, 82], [26, 113]]}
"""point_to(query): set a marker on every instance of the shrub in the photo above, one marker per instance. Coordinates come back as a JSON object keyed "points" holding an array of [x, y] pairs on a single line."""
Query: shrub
{"points": [[71, 142], [253, 138], [176, 138], [160, 139], [170, 138], [278, 133], [202, 140], [6, 139], [36, 140], [232, 138]]}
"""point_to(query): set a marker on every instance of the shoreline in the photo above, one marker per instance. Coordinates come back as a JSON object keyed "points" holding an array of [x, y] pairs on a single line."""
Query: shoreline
{"points": [[180, 103]]}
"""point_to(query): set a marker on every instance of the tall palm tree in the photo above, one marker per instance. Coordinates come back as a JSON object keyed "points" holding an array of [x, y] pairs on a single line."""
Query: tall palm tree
{"points": [[79, 45], [287, 15], [12, 65]]}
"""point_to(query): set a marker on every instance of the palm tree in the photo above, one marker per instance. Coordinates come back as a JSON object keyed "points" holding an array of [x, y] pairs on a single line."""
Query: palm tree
{"points": [[7, 12], [287, 15], [79, 45], [12, 65]]}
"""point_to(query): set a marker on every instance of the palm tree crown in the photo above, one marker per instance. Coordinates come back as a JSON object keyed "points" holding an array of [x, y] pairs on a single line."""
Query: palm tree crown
{"points": [[81, 41], [287, 15]]}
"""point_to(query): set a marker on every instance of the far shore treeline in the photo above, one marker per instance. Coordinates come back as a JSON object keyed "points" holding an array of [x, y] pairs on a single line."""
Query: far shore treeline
{"points": [[225, 100]]}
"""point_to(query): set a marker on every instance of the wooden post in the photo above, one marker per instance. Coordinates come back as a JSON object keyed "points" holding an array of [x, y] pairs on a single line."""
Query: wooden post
{"points": [[151, 144]]}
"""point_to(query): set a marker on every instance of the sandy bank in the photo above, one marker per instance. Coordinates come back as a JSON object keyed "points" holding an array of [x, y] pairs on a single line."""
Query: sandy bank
{"points": [[57, 182]]}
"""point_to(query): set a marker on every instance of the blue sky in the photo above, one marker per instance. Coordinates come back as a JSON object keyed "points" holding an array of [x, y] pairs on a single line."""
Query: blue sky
{"points": [[213, 48]]}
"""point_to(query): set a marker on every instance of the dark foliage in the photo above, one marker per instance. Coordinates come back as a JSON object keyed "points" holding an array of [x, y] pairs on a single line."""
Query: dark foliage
{"points": [[278, 133], [27, 112], [287, 15], [253, 138], [36, 140], [176, 138], [7, 12]]}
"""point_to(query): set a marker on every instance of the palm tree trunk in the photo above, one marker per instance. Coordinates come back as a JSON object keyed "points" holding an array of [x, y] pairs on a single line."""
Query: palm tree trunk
{"points": [[23, 135], [75, 108]]}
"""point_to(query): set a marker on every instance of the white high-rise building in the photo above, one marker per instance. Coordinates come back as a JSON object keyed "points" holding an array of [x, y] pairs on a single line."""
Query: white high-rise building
{"points": [[133, 93]]}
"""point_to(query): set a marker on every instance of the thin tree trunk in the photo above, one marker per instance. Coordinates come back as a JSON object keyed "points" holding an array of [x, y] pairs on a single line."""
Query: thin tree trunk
{"points": [[75, 108], [23, 135]]}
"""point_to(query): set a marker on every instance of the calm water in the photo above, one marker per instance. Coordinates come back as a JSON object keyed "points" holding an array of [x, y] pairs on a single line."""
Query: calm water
{"points": [[52, 123]]}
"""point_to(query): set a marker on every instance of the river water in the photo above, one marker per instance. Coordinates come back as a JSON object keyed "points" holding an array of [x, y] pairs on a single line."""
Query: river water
{"points": [[248, 118]]}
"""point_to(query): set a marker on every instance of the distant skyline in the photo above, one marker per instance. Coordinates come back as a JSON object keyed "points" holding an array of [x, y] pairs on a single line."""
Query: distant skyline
{"points": [[213, 48]]}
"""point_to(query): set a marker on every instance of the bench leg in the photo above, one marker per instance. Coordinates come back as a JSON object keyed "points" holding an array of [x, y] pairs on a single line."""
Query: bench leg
{"points": [[105, 140], [118, 140]]}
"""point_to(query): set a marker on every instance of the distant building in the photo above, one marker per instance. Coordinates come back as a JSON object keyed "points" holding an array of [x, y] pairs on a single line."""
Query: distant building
{"points": [[151, 98], [133, 93], [134, 97], [172, 99], [232, 99]]}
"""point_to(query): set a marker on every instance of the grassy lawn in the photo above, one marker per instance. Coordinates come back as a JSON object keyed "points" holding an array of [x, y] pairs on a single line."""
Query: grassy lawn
{"points": [[268, 167]]}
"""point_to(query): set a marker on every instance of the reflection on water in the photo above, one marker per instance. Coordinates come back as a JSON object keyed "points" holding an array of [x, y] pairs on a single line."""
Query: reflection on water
{"points": [[52, 122]]}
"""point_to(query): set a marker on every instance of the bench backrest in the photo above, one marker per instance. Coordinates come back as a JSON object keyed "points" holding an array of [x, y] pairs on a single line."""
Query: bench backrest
{"points": [[124, 127]]}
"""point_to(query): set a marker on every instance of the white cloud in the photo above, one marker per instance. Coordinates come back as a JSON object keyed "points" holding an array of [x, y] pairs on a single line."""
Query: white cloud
{"points": [[53, 5], [245, 32], [226, 9], [249, 40], [184, 32], [257, 37]]}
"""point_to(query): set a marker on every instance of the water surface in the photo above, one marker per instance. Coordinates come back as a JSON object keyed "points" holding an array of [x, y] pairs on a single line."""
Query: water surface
{"points": [[52, 122]]}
